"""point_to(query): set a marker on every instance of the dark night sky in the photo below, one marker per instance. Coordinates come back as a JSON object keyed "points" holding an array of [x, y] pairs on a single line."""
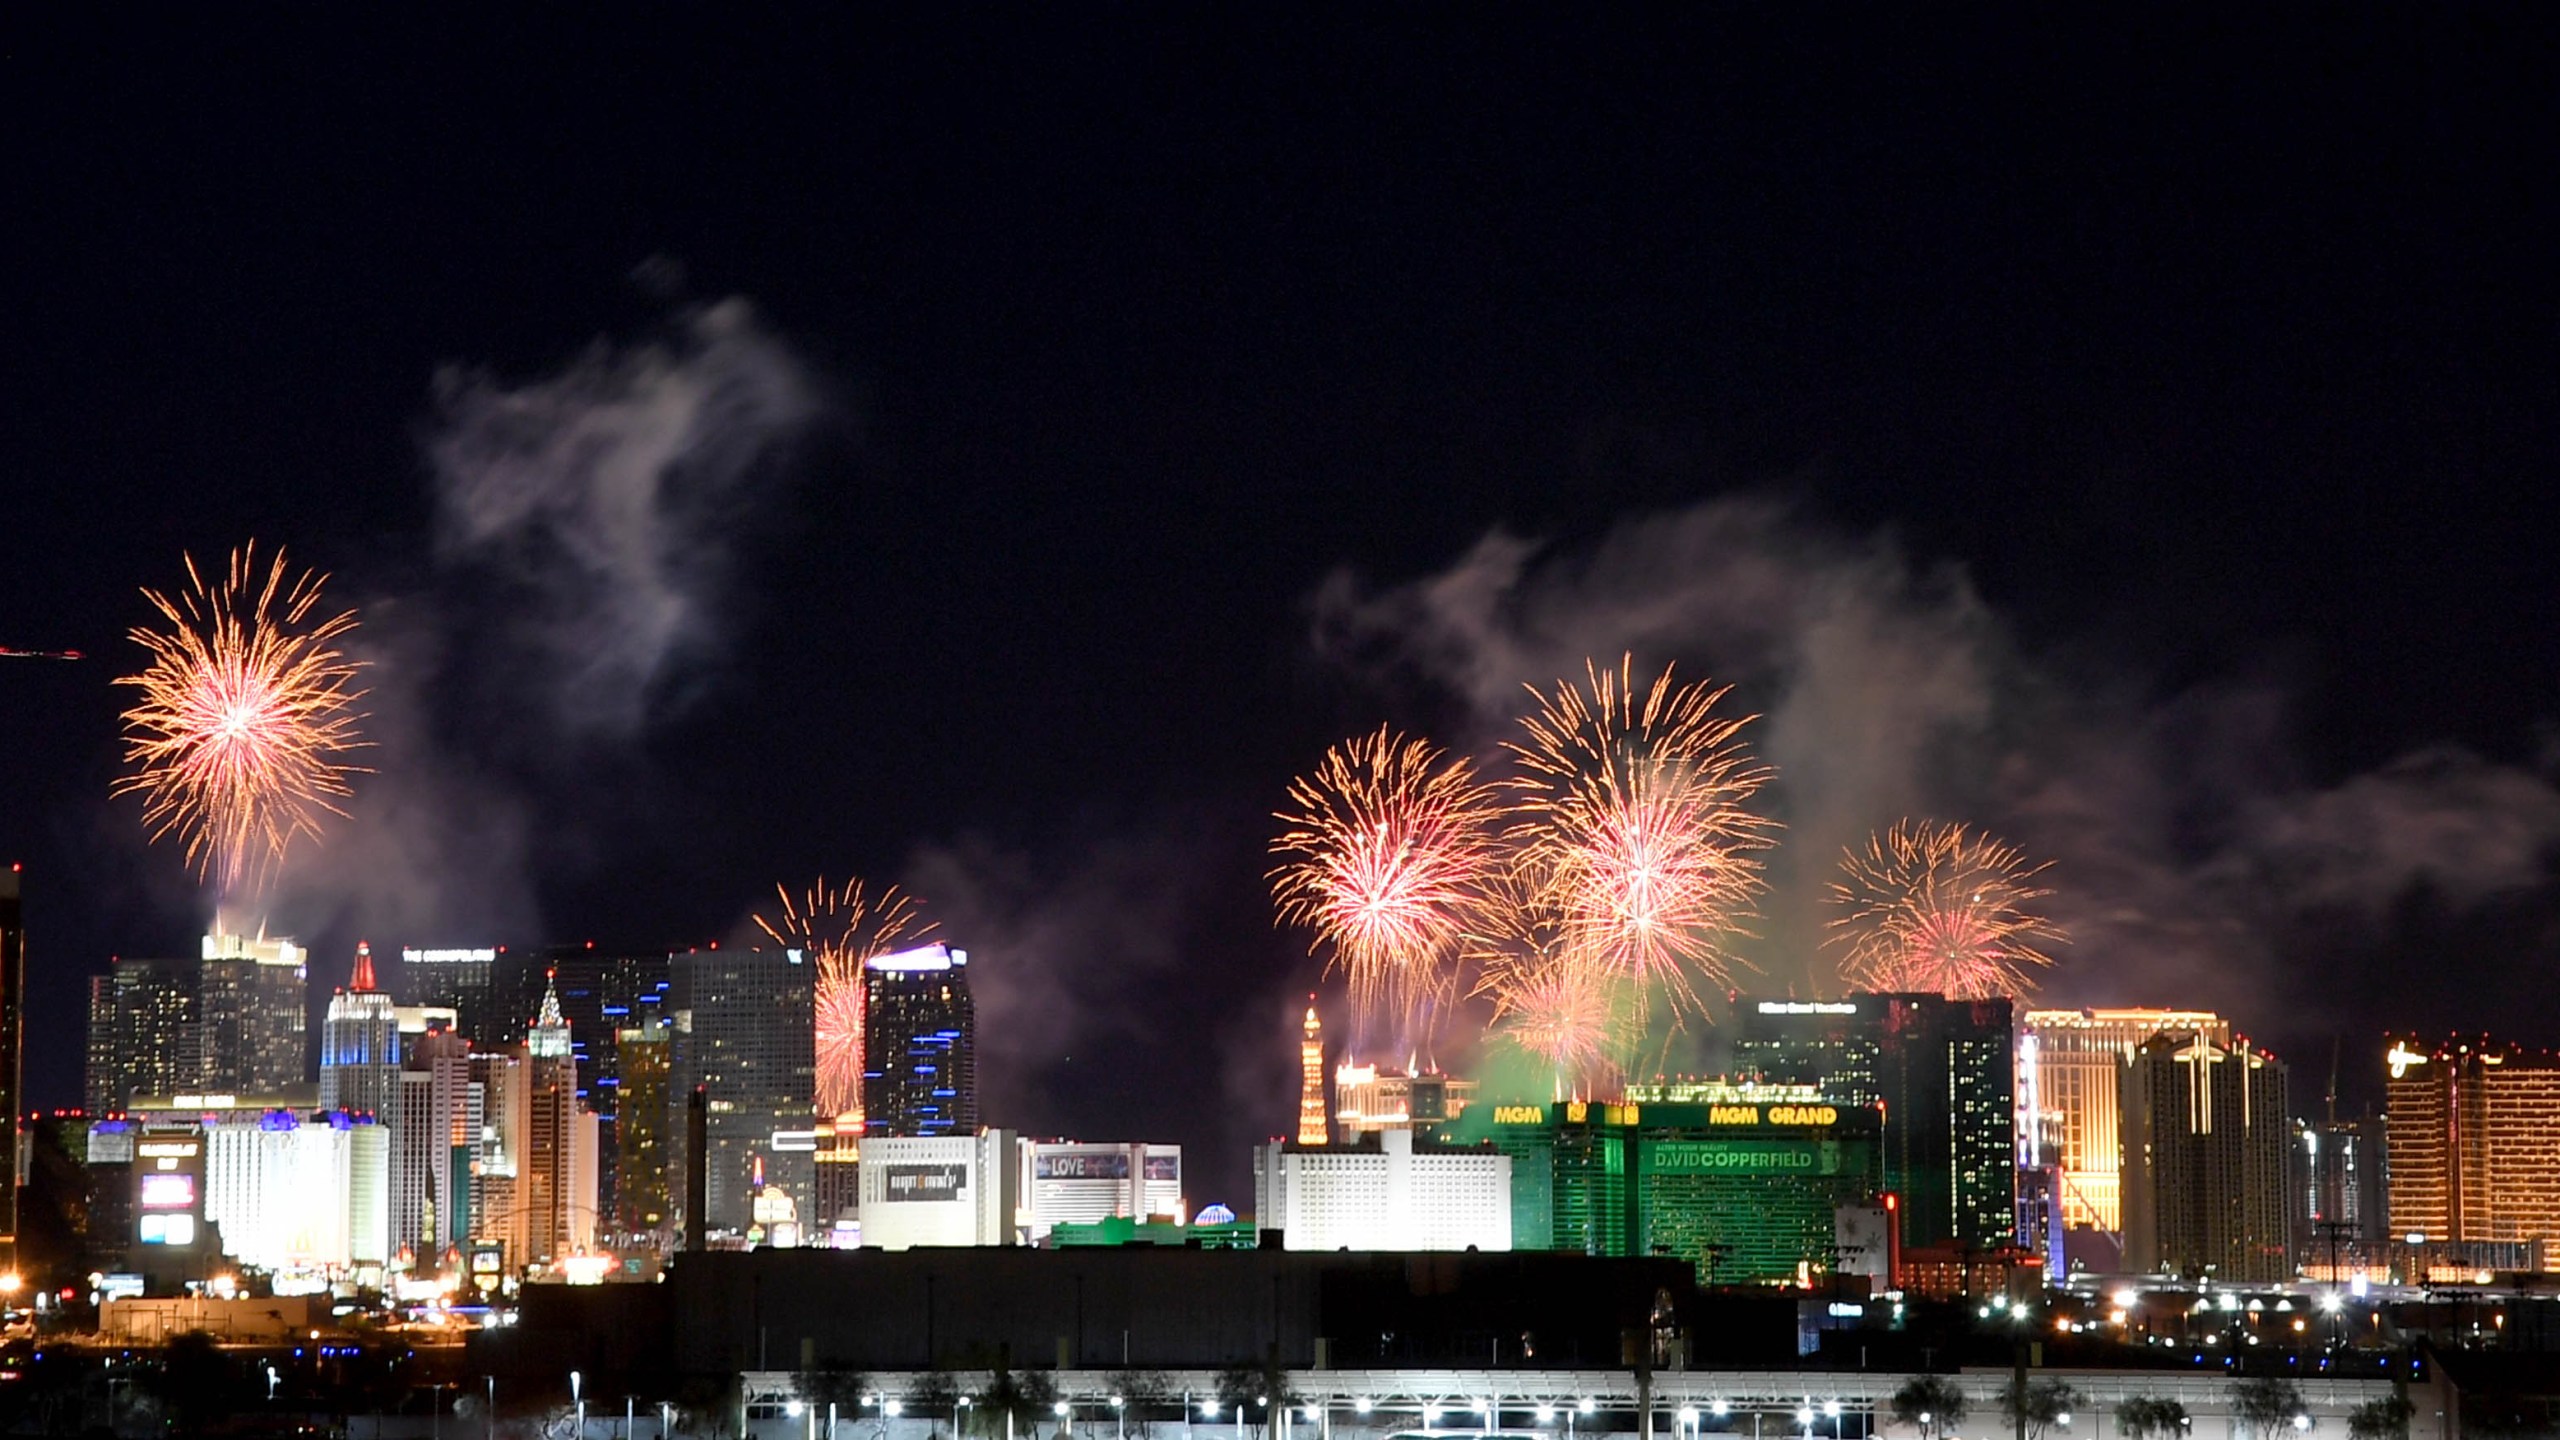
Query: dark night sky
{"points": [[2138, 438]]}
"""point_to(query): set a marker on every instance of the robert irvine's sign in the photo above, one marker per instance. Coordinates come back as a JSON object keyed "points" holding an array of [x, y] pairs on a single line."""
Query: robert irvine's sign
{"points": [[923, 1182]]}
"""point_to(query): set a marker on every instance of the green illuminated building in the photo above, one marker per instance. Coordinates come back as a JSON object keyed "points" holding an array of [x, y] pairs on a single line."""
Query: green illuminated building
{"points": [[1743, 1182], [1121, 1230]]}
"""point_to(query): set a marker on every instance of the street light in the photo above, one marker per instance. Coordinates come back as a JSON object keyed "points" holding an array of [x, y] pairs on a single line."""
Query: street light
{"points": [[1119, 1408], [956, 1407]]}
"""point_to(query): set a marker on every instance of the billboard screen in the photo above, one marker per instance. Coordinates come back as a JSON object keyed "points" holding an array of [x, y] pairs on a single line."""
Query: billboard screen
{"points": [[1081, 1165], [166, 1191], [167, 1230], [923, 1182], [1164, 1167]]}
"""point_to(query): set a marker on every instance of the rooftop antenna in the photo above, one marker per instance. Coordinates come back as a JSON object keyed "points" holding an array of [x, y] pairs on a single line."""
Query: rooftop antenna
{"points": [[2333, 1081]]}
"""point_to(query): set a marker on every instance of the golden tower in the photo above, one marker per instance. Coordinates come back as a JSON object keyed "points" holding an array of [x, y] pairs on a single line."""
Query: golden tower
{"points": [[1311, 1114]]}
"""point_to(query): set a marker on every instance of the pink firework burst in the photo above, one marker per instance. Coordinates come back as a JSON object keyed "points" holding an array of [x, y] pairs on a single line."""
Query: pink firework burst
{"points": [[1930, 907]]}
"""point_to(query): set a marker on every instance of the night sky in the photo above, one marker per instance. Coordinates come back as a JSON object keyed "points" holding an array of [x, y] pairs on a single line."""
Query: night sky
{"points": [[997, 456]]}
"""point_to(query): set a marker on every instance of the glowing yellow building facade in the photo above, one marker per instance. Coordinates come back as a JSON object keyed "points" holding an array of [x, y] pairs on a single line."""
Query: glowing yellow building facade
{"points": [[1312, 1129], [2473, 1132], [2071, 1107]]}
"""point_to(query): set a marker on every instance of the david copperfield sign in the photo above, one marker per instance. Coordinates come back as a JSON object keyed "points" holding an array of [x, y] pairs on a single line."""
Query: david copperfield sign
{"points": [[1743, 1157]]}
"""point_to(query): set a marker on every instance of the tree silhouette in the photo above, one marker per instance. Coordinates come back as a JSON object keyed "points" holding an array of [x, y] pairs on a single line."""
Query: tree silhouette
{"points": [[2268, 1405], [2146, 1417], [1930, 1403], [2043, 1405], [195, 1383], [1022, 1399], [2385, 1418], [838, 1386]]}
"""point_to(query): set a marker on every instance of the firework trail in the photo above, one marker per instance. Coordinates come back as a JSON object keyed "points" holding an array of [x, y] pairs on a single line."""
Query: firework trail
{"points": [[245, 714], [841, 928], [1931, 908], [1388, 848], [1548, 999], [1633, 812]]}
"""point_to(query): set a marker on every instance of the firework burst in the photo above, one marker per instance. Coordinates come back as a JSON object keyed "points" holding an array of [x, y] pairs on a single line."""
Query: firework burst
{"points": [[841, 927], [237, 743], [1929, 907], [1548, 1000], [1387, 850], [1633, 811]]}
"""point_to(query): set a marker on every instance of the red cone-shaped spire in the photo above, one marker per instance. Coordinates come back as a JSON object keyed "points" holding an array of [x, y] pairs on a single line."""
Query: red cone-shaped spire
{"points": [[364, 969]]}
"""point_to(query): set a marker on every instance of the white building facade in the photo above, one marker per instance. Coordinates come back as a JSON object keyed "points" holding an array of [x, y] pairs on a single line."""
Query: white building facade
{"points": [[941, 1190], [1071, 1182], [1385, 1193], [299, 1192]]}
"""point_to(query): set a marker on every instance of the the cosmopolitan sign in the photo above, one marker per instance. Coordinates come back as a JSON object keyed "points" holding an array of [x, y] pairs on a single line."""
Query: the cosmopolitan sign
{"points": [[1807, 1007]]}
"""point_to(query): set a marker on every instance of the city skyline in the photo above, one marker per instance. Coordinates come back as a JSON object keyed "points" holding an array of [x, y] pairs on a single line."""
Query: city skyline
{"points": [[996, 460]]}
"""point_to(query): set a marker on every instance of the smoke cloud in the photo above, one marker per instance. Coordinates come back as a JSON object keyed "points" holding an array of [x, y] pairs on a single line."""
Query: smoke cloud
{"points": [[585, 522], [2192, 864], [598, 500], [1064, 953]]}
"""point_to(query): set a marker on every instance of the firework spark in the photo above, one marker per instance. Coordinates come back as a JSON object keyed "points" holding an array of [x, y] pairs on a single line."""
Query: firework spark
{"points": [[1634, 811], [1548, 999], [841, 927], [1389, 848], [1931, 908], [245, 714]]}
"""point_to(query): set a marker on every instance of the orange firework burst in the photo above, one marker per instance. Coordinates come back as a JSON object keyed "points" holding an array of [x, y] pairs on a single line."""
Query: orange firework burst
{"points": [[1931, 908], [841, 928], [1634, 811], [245, 713], [1549, 1000], [1390, 844]]}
